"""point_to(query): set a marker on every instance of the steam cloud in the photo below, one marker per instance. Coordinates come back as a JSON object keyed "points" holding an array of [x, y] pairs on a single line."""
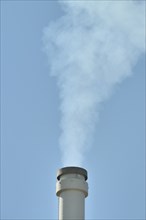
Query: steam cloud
{"points": [[90, 49]]}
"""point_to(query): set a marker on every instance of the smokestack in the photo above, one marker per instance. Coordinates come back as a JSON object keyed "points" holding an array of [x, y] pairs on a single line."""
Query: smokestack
{"points": [[72, 189]]}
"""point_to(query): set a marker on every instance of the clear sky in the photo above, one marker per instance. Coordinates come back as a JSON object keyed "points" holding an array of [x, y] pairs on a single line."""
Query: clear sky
{"points": [[30, 130]]}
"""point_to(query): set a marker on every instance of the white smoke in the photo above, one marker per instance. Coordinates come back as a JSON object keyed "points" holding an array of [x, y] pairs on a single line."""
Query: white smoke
{"points": [[94, 46]]}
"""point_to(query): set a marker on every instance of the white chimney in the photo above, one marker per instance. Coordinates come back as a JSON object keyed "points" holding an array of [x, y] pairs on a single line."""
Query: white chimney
{"points": [[72, 189]]}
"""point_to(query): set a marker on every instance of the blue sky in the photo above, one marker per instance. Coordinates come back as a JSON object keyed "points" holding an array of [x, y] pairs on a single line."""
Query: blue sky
{"points": [[30, 129]]}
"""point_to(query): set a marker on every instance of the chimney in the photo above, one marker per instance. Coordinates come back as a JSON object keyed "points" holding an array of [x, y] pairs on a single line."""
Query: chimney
{"points": [[72, 189]]}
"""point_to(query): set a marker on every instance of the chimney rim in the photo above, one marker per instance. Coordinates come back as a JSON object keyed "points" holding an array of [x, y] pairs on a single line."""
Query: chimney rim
{"points": [[72, 170]]}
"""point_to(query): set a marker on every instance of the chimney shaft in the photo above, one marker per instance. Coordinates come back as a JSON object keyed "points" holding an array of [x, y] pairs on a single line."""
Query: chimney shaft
{"points": [[72, 188]]}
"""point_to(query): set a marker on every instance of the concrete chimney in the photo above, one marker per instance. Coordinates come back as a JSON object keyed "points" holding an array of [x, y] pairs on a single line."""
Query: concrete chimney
{"points": [[72, 189]]}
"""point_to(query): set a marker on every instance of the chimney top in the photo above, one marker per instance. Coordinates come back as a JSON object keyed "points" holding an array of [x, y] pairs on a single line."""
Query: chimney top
{"points": [[72, 170]]}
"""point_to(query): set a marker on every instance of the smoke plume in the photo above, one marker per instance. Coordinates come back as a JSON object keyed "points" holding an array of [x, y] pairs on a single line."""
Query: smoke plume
{"points": [[90, 49]]}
